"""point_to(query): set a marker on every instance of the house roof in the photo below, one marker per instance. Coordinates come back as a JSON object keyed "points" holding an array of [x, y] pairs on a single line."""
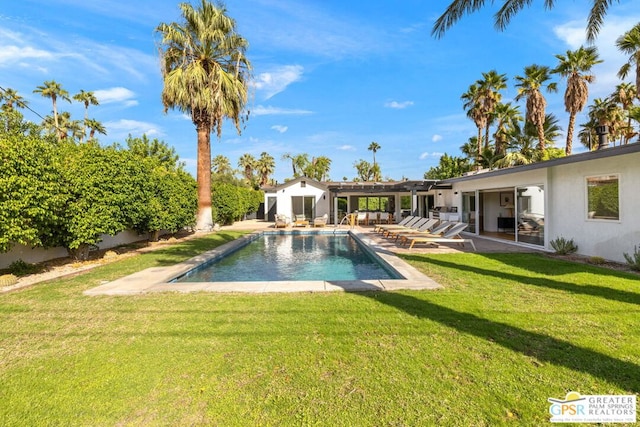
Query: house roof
{"points": [[365, 187], [575, 158]]}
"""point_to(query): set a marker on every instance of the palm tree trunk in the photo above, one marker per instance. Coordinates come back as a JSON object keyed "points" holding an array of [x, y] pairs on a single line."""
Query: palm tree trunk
{"points": [[479, 150], [204, 220], [541, 142], [569, 144]]}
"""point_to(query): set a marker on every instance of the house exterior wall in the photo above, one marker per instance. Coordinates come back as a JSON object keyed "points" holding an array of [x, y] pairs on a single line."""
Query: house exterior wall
{"points": [[286, 192], [567, 205]]}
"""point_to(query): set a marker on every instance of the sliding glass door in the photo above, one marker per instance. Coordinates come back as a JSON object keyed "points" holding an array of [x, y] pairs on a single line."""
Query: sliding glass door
{"points": [[530, 212], [303, 206]]}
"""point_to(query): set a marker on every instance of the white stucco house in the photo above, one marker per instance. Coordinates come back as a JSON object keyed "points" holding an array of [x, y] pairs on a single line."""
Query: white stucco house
{"points": [[592, 198]]}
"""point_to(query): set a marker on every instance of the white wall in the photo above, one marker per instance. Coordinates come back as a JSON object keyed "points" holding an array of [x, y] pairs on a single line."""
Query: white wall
{"points": [[567, 205], [38, 254], [296, 189]]}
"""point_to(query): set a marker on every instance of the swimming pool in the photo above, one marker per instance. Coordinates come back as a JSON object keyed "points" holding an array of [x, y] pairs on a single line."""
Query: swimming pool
{"points": [[294, 256]]}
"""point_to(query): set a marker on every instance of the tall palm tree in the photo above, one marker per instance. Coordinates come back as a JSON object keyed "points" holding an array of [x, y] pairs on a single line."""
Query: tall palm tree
{"points": [[374, 147], [489, 91], [94, 126], [206, 74], [9, 97], [321, 166], [473, 105], [576, 66], [52, 89], [624, 95], [266, 164], [459, 8], [535, 76], [247, 163], [87, 98], [629, 43]]}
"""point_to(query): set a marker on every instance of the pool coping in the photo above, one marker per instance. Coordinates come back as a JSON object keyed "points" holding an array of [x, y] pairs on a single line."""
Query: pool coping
{"points": [[158, 279]]}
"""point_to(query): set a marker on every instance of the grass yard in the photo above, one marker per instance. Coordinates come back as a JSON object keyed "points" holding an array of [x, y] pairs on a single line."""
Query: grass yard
{"points": [[506, 333]]}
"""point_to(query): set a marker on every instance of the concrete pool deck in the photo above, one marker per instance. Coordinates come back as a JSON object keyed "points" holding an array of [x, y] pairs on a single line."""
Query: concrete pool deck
{"points": [[158, 279]]}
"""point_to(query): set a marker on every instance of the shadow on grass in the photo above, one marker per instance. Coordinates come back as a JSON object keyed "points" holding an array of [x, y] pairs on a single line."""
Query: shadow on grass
{"points": [[541, 347], [176, 253], [544, 282]]}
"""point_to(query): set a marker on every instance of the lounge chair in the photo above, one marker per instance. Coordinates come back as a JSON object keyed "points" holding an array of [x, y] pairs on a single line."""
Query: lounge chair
{"points": [[320, 221], [407, 222], [386, 232], [362, 217], [450, 236], [437, 231], [426, 227]]}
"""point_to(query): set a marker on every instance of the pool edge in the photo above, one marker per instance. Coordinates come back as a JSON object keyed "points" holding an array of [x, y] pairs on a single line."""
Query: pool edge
{"points": [[159, 279]]}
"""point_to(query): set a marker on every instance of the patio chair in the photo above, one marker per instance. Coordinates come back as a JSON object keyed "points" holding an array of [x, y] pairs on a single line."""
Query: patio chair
{"points": [[437, 231], [282, 221], [411, 226], [362, 217], [426, 227], [450, 236], [320, 221], [407, 222]]}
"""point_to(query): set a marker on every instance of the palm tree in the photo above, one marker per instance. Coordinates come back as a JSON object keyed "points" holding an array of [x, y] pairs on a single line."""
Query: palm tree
{"points": [[374, 147], [94, 126], [221, 165], [52, 89], [459, 8], [507, 116], [624, 95], [576, 67], [535, 76], [489, 91], [87, 98], [629, 43], [605, 112], [266, 164], [205, 74], [10, 97], [473, 105], [247, 163], [321, 166]]}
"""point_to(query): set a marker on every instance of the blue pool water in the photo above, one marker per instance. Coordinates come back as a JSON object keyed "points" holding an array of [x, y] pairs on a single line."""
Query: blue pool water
{"points": [[279, 257]]}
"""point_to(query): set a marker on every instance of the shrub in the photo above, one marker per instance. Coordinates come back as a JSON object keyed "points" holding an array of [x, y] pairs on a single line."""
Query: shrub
{"points": [[597, 260], [563, 246], [22, 268], [633, 259]]}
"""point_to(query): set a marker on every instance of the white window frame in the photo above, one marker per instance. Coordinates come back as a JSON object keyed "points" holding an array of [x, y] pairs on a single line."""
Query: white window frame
{"points": [[618, 177]]}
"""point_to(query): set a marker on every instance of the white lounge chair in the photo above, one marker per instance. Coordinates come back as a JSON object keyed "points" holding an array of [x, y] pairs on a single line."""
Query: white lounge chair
{"points": [[452, 235]]}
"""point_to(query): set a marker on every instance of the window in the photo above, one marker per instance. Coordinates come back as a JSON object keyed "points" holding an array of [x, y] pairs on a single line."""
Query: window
{"points": [[603, 197], [303, 184]]}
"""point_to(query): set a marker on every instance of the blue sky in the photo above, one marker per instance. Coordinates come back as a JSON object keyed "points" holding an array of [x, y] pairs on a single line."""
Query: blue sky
{"points": [[330, 76]]}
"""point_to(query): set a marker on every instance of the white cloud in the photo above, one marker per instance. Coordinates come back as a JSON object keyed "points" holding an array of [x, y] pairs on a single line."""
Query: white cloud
{"points": [[398, 105], [261, 110], [116, 94], [436, 138], [347, 147], [12, 54], [427, 155], [276, 81], [133, 127], [280, 128], [573, 35]]}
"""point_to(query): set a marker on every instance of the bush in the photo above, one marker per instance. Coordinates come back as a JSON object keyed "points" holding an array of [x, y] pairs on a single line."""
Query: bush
{"points": [[563, 246], [22, 268], [597, 260], [633, 259]]}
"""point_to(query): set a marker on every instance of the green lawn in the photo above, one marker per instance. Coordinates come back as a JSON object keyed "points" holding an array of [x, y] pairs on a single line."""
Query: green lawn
{"points": [[506, 333]]}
